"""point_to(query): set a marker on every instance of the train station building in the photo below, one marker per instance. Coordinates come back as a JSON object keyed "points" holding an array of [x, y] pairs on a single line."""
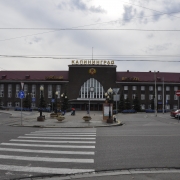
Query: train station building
{"points": [[88, 80]]}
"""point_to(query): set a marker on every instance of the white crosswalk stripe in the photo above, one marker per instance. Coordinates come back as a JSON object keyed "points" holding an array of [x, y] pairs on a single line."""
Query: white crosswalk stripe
{"points": [[50, 149], [73, 142]]}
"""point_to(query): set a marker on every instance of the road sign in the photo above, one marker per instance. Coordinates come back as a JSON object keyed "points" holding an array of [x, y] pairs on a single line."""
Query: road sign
{"points": [[21, 94], [116, 90], [52, 100], [116, 97], [33, 99], [178, 92]]}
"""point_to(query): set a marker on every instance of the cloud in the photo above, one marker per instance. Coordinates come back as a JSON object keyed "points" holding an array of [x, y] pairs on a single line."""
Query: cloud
{"points": [[80, 5]]}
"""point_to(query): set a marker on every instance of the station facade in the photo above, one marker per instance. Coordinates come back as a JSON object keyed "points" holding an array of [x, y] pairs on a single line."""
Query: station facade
{"points": [[86, 83]]}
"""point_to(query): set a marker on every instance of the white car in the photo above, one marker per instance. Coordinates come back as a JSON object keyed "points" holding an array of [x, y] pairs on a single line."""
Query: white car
{"points": [[177, 116]]}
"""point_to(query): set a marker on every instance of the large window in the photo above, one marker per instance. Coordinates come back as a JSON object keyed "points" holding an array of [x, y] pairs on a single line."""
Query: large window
{"points": [[142, 96], [133, 96], [98, 91], [142, 106], [58, 89], [17, 90], [167, 97], [167, 88], [50, 91], [150, 96], [134, 88], [1, 90], [159, 88], [175, 88], [9, 90], [151, 88], [142, 88], [126, 88], [159, 97], [25, 89], [175, 97], [33, 91]]}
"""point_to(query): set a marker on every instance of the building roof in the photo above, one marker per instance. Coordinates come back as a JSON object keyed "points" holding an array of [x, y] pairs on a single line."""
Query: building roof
{"points": [[148, 76], [125, 76], [34, 75]]}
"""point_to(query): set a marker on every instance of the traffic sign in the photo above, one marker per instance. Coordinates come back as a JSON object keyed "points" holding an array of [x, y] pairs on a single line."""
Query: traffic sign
{"points": [[178, 92], [21, 94], [33, 99], [52, 100]]}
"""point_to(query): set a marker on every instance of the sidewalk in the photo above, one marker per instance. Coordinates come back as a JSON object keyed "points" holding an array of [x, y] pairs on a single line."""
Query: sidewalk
{"points": [[29, 119]]}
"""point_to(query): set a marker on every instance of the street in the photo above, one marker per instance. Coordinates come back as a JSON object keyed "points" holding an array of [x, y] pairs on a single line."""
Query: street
{"points": [[144, 141]]}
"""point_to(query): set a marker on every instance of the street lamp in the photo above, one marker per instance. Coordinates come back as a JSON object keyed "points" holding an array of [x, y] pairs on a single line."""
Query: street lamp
{"points": [[41, 118], [41, 94], [91, 89], [155, 99], [64, 102], [108, 95], [56, 94]]}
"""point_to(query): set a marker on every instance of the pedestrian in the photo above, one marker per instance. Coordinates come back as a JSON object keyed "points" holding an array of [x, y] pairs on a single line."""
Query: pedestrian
{"points": [[73, 111]]}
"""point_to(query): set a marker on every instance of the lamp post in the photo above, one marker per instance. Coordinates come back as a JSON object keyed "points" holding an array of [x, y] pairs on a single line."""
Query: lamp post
{"points": [[91, 89], [41, 94], [41, 118], [56, 94], [108, 95], [163, 95], [155, 100], [64, 98]]}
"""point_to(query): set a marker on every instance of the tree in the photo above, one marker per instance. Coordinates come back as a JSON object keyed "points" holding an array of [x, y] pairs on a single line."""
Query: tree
{"points": [[42, 102], [121, 102], [127, 104], [65, 102], [136, 103], [152, 102], [27, 101]]}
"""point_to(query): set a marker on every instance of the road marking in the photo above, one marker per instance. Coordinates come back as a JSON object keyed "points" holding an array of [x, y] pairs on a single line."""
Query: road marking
{"points": [[73, 142], [43, 169], [48, 152], [42, 137], [69, 135], [57, 132], [44, 145], [46, 159]]}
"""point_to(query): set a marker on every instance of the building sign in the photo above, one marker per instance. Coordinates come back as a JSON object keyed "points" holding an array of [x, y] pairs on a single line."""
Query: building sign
{"points": [[54, 77], [130, 79], [92, 62], [92, 71]]}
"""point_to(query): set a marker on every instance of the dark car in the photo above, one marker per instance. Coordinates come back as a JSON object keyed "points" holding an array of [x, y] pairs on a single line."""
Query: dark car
{"points": [[2, 108], [129, 111], [174, 112]]}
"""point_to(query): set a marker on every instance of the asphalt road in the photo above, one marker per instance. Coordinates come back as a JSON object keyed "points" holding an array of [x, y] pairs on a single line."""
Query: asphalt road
{"points": [[144, 141]]}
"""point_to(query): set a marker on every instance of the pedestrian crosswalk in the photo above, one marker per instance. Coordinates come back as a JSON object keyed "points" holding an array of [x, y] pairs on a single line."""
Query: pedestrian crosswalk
{"points": [[48, 151]]}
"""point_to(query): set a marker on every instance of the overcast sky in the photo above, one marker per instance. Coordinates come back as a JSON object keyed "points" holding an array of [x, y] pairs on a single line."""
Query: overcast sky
{"points": [[126, 31]]}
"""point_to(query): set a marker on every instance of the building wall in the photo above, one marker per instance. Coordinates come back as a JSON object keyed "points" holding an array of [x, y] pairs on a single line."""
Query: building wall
{"points": [[78, 74]]}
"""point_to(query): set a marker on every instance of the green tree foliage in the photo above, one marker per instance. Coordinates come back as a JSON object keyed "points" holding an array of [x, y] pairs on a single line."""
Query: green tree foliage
{"points": [[27, 101], [121, 102], [152, 102], [127, 104], [42, 102], [65, 102], [136, 103]]}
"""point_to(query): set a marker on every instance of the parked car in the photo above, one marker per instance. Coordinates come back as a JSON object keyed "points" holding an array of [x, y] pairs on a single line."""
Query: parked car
{"points": [[177, 116], [129, 111], [174, 112], [2, 108]]}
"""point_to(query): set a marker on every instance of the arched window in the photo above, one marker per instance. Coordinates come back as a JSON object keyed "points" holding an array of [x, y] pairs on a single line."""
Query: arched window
{"points": [[86, 90]]}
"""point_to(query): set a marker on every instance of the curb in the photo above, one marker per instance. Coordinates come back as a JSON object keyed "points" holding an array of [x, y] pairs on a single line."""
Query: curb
{"points": [[42, 126]]}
